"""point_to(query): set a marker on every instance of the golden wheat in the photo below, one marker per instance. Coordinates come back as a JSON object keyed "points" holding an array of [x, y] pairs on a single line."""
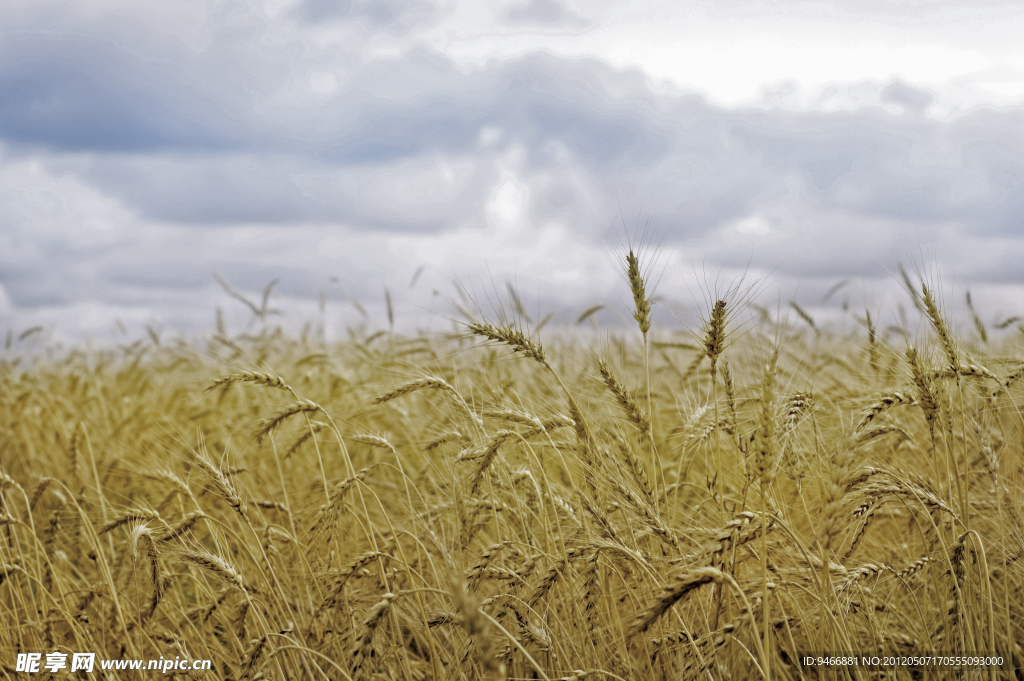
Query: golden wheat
{"points": [[524, 524]]}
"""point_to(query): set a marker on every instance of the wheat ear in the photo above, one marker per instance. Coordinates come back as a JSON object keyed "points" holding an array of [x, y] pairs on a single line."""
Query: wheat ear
{"points": [[428, 382], [269, 425], [939, 324], [252, 658], [364, 643], [638, 287], [215, 565], [671, 595], [882, 405], [634, 413], [714, 335], [513, 337], [221, 482], [254, 377], [342, 576]]}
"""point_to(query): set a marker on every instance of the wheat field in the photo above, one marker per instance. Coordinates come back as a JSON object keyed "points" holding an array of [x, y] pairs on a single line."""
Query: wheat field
{"points": [[721, 502]]}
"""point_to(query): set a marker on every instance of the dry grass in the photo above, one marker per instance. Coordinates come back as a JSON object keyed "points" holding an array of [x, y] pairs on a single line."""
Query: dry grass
{"points": [[489, 518]]}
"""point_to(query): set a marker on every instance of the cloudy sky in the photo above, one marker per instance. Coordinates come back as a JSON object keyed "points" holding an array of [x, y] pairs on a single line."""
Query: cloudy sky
{"points": [[345, 147]]}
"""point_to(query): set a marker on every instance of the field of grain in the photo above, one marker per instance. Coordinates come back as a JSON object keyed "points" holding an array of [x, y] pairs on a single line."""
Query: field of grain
{"points": [[501, 503]]}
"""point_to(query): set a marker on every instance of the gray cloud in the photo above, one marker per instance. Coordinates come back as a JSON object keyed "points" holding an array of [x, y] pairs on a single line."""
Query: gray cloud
{"points": [[138, 163], [705, 164], [75, 91], [555, 13], [396, 15], [86, 94]]}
